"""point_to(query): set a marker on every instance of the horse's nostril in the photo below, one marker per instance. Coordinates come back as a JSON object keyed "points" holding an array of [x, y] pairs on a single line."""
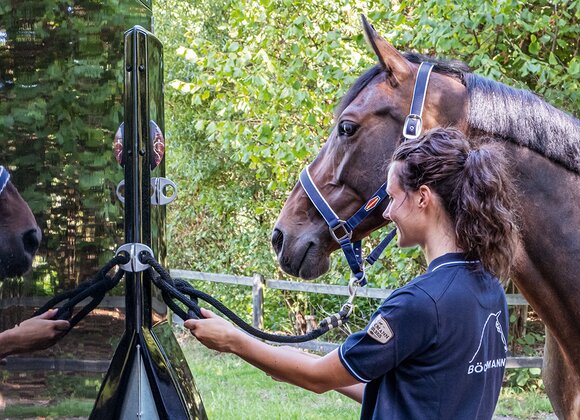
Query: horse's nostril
{"points": [[31, 240], [277, 240]]}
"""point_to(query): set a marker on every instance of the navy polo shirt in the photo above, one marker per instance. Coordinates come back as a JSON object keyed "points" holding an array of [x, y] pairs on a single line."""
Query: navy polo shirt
{"points": [[436, 348]]}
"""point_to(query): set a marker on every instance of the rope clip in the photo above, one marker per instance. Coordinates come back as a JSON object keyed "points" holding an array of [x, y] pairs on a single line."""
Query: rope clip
{"points": [[134, 250], [353, 285]]}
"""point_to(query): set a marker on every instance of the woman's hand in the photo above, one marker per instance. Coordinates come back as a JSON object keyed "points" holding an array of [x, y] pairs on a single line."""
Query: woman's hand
{"points": [[286, 364], [214, 332]]}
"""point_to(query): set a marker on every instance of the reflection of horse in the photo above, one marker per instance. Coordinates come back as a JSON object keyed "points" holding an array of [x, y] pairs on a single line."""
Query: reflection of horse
{"points": [[19, 234], [543, 145]]}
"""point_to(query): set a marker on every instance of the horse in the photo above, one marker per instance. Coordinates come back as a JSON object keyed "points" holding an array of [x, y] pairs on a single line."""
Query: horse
{"points": [[542, 144], [19, 234]]}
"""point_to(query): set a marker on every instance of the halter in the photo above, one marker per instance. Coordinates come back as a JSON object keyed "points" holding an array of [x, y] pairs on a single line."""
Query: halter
{"points": [[340, 229], [4, 177]]}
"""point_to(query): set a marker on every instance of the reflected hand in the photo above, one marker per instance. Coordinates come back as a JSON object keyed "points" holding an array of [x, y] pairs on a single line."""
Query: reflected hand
{"points": [[214, 332], [37, 333]]}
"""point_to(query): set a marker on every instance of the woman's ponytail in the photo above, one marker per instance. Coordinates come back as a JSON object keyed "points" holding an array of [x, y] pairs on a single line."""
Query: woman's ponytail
{"points": [[485, 222], [475, 188]]}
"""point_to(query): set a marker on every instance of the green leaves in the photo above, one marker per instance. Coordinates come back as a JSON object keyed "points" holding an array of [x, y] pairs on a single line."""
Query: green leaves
{"points": [[252, 87], [525, 44]]}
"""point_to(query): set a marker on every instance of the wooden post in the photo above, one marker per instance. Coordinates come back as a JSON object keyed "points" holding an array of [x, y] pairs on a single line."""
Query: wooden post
{"points": [[258, 301]]}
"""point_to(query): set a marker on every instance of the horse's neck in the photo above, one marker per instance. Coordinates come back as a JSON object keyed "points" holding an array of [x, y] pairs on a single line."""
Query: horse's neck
{"points": [[521, 117], [549, 258]]}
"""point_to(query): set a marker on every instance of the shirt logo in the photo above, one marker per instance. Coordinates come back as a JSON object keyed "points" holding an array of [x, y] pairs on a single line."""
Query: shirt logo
{"points": [[479, 365], [380, 330]]}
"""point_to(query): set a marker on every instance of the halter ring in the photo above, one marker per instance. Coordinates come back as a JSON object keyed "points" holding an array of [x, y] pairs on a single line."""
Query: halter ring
{"points": [[347, 233]]}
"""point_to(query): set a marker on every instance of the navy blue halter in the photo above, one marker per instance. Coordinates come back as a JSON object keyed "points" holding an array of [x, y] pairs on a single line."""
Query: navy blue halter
{"points": [[341, 230], [4, 177]]}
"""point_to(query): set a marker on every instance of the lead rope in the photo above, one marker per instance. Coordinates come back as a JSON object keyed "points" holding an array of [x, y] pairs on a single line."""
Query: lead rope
{"points": [[185, 293], [95, 288], [132, 257], [175, 291]]}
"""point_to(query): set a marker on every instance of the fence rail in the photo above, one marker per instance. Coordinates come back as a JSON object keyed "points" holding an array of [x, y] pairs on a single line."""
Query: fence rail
{"points": [[258, 283]]}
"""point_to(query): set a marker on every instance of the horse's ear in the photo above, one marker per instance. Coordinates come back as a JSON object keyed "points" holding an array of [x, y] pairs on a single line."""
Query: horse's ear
{"points": [[390, 58]]}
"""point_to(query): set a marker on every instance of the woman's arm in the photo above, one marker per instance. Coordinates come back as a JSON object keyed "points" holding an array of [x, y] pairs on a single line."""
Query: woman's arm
{"points": [[285, 364], [354, 392]]}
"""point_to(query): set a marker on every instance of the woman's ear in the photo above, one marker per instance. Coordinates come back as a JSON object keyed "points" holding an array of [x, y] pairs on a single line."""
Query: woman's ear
{"points": [[424, 196]]}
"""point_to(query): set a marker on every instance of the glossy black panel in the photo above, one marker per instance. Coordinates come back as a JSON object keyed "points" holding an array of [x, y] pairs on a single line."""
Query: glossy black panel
{"points": [[61, 102], [155, 383]]}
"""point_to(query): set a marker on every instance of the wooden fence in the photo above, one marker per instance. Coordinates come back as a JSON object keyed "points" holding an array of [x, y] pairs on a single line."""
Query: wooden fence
{"points": [[258, 283]]}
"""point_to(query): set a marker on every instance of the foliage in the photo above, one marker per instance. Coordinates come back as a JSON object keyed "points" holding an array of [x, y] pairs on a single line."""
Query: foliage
{"points": [[251, 88], [531, 45], [61, 90], [526, 379]]}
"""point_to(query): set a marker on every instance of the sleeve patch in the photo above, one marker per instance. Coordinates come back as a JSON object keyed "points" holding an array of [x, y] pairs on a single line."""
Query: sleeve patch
{"points": [[380, 330]]}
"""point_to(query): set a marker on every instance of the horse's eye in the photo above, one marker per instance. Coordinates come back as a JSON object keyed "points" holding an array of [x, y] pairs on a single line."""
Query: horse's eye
{"points": [[347, 128]]}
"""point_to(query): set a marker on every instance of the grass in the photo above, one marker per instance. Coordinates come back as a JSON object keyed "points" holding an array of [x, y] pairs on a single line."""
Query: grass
{"points": [[232, 389], [523, 405], [64, 409]]}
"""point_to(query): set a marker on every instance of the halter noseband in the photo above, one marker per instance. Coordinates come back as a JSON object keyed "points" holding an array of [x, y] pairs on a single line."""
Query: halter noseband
{"points": [[4, 177], [341, 230]]}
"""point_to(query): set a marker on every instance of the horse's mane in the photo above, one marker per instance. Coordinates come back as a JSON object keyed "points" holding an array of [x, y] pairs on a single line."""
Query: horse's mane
{"points": [[503, 112], [525, 119]]}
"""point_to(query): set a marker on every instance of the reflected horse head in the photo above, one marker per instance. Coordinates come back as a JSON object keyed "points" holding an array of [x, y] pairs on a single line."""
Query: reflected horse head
{"points": [[19, 234]]}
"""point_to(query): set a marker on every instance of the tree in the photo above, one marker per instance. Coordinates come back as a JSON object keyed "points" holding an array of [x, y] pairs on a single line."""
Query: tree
{"points": [[252, 87]]}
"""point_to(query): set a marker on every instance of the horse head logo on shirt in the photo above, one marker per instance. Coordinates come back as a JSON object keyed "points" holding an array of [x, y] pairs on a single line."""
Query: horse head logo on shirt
{"points": [[482, 366]]}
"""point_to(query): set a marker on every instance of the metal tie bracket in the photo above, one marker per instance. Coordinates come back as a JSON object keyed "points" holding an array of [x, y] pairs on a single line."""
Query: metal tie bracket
{"points": [[158, 196], [134, 250]]}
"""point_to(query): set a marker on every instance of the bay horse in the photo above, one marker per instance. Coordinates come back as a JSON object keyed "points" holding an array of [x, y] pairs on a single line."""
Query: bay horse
{"points": [[19, 234], [542, 144]]}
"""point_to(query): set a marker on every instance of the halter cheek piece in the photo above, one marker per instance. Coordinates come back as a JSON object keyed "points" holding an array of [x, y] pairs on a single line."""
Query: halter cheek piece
{"points": [[414, 121], [341, 230], [4, 178]]}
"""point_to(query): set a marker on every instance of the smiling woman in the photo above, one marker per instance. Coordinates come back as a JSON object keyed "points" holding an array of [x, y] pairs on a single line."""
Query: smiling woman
{"points": [[435, 348], [473, 187]]}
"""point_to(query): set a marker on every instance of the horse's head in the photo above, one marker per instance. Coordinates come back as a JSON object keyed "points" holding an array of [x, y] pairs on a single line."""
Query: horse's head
{"points": [[351, 165], [19, 233]]}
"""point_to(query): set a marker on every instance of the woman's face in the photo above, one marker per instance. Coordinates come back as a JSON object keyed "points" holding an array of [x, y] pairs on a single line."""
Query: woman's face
{"points": [[404, 211]]}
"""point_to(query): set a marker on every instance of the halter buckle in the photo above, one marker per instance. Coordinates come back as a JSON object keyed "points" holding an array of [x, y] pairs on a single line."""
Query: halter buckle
{"points": [[413, 126], [347, 233]]}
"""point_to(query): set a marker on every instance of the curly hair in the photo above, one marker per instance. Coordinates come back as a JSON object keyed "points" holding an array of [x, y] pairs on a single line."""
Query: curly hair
{"points": [[475, 187]]}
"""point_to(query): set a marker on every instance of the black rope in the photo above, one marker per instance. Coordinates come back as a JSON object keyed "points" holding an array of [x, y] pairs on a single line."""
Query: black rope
{"points": [[178, 289], [95, 288]]}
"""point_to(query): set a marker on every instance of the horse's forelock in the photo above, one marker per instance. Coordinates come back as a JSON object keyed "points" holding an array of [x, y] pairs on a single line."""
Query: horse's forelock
{"points": [[453, 68]]}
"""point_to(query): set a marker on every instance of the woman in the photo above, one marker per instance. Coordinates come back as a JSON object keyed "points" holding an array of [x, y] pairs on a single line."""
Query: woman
{"points": [[436, 348]]}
